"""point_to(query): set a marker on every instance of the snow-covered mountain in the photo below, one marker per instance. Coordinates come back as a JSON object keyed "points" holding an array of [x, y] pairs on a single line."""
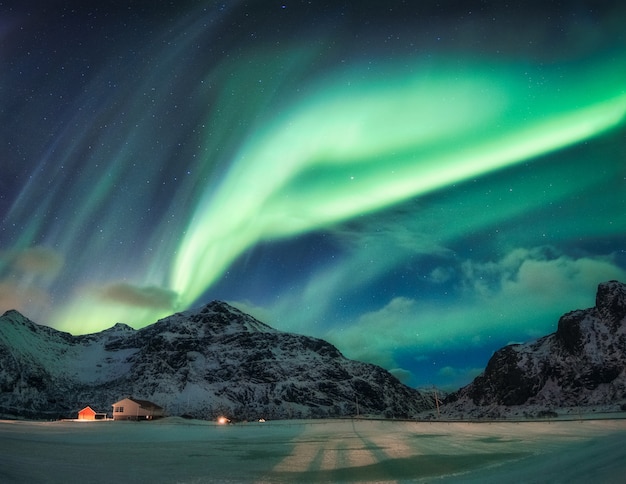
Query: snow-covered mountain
{"points": [[582, 364], [216, 360]]}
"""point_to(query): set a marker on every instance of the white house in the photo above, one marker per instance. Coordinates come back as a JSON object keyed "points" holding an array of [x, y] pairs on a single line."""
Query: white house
{"points": [[135, 409]]}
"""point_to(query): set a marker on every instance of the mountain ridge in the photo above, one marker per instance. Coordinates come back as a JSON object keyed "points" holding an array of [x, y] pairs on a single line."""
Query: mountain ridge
{"points": [[205, 362]]}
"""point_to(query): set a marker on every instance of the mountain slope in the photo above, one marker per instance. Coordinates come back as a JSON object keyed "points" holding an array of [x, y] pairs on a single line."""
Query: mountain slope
{"points": [[582, 364], [202, 363]]}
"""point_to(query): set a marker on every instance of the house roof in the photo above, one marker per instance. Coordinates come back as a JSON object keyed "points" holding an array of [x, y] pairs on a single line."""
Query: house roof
{"points": [[142, 403], [88, 409], [147, 404]]}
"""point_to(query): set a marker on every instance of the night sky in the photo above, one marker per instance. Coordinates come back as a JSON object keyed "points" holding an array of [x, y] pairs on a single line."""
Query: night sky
{"points": [[418, 182]]}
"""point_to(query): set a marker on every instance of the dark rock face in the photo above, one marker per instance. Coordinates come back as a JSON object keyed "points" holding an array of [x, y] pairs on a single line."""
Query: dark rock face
{"points": [[503, 381], [569, 333], [611, 303], [582, 364], [203, 363]]}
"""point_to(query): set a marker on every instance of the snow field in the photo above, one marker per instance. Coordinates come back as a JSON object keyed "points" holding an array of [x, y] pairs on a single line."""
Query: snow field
{"points": [[174, 450]]}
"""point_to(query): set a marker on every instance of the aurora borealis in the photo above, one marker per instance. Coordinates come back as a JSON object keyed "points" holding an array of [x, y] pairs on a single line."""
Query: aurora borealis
{"points": [[419, 185]]}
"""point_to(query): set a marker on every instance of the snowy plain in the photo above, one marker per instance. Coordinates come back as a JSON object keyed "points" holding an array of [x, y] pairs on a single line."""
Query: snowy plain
{"points": [[175, 450]]}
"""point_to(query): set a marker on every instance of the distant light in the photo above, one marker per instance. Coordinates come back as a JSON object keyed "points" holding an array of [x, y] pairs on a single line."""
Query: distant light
{"points": [[222, 420]]}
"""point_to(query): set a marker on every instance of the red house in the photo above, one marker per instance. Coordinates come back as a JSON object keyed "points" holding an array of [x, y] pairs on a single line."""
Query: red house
{"points": [[89, 413]]}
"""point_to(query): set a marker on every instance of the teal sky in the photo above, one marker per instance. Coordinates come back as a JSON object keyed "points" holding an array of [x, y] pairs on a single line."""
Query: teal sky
{"points": [[419, 185]]}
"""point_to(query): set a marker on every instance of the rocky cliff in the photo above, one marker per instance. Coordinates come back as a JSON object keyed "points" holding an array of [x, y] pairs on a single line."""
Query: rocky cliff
{"points": [[582, 364]]}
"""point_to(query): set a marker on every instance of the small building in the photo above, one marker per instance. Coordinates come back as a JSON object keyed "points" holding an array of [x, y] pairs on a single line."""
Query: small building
{"points": [[135, 409], [89, 413]]}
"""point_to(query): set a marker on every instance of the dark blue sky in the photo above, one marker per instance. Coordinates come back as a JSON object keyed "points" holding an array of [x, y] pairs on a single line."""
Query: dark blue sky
{"points": [[419, 183]]}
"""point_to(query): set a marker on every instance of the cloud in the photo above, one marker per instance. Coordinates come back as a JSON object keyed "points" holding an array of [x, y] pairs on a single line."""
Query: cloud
{"points": [[376, 335], [147, 297], [518, 297], [35, 260], [39, 260], [401, 374], [366, 250], [440, 275], [25, 276], [538, 279], [452, 378], [27, 300]]}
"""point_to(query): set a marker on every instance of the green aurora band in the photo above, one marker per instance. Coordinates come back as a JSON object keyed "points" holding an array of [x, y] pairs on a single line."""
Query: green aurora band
{"points": [[359, 143]]}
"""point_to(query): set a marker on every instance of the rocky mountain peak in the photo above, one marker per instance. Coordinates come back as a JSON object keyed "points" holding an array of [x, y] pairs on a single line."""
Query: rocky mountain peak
{"points": [[611, 302], [608, 315], [11, 314], [219, 316], [218, 306], [14, 316], [12, 322], [120, 327]]}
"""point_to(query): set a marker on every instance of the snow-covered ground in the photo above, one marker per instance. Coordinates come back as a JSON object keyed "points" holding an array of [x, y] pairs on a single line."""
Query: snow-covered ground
{"points": [[174, 450]]}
